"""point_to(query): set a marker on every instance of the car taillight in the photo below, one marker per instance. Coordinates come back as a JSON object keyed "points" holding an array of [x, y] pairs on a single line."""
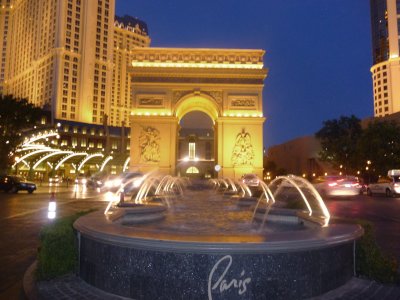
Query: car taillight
{"points": [[332, 184]]}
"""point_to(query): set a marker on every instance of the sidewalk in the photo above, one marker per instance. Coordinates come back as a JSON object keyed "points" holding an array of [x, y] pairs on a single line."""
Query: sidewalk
{"points": [[71, 287]]}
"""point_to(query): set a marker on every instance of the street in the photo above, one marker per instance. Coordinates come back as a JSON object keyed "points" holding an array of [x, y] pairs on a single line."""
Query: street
{"points": [[22, 215], [382, 211]]}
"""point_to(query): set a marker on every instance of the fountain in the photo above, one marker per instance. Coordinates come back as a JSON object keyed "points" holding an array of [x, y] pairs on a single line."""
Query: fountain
{"points": [[172, 242]]}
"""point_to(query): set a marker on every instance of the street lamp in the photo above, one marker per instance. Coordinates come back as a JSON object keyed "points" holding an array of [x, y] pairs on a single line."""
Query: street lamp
{"points": [[367, 170], [16, 165]]}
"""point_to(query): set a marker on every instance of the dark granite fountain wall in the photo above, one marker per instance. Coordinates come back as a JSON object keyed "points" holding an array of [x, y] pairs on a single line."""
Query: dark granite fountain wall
{"points": [[148, 274]]}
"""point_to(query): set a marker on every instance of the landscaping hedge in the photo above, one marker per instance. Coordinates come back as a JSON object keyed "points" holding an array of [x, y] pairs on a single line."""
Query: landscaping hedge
{"points": [[58, 250]]}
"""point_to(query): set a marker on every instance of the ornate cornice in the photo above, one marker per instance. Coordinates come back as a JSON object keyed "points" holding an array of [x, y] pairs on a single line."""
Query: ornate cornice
{"points": [[253, 81], [197, 58], [179, 94]]}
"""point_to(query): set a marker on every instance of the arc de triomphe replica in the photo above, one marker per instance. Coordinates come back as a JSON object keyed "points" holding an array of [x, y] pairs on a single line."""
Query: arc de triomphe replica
{"points": [[225, 84]]}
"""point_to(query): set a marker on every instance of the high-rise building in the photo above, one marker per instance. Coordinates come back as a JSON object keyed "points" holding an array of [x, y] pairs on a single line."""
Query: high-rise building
{"points": [[385, 26], [129, 33], [70, 56]]}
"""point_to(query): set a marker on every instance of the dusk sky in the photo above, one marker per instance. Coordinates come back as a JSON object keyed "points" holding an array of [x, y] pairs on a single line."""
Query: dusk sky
{"points": [[318, 52]]}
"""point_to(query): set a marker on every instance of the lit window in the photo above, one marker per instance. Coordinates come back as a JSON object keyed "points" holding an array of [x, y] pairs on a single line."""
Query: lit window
{"points": [[192, 150], [192, 170]]}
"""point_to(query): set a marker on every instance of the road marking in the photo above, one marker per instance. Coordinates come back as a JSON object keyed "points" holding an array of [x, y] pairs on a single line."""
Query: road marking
{"points": [[39, 209]]}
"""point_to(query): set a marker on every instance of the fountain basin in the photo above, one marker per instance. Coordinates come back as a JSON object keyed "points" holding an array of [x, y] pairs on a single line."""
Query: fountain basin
{"points": [[178, 258]]}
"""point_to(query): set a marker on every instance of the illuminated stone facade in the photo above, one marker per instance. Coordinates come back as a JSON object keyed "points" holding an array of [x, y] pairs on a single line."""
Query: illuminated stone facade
{"points": [[70, 56], [226, 85], [385, 19]]}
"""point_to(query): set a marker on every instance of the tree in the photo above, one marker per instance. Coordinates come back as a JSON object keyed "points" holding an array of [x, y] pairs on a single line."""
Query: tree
{"points": [[380, 145], [16, 115], [339, 140]]}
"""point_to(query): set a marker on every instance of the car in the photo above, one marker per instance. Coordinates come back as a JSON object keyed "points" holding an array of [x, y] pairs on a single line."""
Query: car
{"points": [[81, 179], [96, 181], [131, 182], [250, 180], [14, 184], [55, 179], [128, 182], [112, 183], [337, 185], [388, 185]]}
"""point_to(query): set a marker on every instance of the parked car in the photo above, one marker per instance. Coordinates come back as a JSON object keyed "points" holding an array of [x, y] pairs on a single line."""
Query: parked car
{"points": [[13, 183], [389, 186], [250, 180], [338, 185]]}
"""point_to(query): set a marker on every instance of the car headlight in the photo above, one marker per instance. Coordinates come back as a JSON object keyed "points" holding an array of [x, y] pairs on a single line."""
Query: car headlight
{"points": [[137, 182]]}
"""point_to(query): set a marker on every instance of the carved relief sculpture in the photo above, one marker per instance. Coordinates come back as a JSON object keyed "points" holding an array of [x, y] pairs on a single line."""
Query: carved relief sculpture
{"points": [[149, 143], [243, 153], [243, 102], [150, 100]]}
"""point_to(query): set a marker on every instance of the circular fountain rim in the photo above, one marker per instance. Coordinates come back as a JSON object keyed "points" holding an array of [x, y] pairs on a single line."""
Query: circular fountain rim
{"points": [[101, 227]]}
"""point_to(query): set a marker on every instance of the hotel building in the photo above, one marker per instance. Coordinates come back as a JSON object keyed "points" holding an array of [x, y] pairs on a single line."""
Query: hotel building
{"points": [[385, 26], [70, 56]]}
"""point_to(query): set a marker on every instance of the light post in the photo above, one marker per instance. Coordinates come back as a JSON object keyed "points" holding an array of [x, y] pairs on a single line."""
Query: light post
{"points": [[16, 165], [367, 170]]}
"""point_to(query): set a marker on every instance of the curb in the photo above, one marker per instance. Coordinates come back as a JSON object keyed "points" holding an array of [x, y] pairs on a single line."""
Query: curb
{"points": [[28, 282]]}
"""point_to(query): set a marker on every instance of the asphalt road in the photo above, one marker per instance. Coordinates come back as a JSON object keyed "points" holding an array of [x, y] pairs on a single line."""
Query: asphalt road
{"points": [[22, 215], [382, 211]]}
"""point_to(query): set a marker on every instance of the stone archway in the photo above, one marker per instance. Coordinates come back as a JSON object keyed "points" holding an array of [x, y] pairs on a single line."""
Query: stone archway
{"points": [[224, 84], [196, 144]]}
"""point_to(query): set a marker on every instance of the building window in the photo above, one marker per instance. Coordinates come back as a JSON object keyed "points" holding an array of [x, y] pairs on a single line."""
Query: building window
{"points": [[208, 150], [192, 170], [192, 150]]}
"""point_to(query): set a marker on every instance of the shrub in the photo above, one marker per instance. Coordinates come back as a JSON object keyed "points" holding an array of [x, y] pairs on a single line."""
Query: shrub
{"points": [[371, 262], [58, 250]]}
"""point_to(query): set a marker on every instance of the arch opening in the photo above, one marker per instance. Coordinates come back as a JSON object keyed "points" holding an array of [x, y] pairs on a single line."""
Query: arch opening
{"points": [[196, 146], [201, 103]]}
